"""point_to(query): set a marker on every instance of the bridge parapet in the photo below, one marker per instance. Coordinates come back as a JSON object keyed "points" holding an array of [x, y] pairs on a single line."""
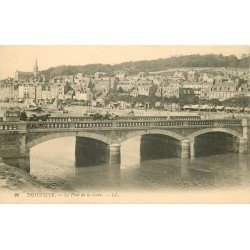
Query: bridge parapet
{"points": [[13, 126], [124, 118], [117, 124]]}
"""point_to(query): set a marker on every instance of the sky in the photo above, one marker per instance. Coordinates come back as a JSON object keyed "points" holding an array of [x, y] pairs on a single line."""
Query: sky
{"points": [[22, 58]]}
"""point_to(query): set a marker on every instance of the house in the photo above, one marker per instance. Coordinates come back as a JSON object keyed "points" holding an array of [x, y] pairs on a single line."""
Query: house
{"points": [[69, 95], [179, 75], [209, 79], [126, 85], [100, 74], [144, 89], [134, 92], [81, 95], [192, 75], [27, 90], [101, 85], [6, 91], [141, 90], [46, 93], [121, 75], [167, 91], [224, 90], [84, 94]]}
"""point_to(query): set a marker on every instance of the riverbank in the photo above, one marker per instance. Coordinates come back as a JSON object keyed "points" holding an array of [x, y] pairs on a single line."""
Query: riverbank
{"points": [[83, 110], [14, 179]]}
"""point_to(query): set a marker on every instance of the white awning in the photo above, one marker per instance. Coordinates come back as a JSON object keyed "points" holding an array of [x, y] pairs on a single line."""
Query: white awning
{"points": [[204, 107], [239, 108], [194, 106], [229, 108], [219, 107]]}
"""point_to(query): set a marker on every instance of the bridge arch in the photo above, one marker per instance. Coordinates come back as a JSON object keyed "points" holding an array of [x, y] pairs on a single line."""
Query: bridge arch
{"points": [[156, 143], [213, 141], [51, 136], [192, 136], [152, 131]]}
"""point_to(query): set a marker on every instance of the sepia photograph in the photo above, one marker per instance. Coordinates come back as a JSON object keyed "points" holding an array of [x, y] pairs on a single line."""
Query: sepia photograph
{"points": [[124, 124]]}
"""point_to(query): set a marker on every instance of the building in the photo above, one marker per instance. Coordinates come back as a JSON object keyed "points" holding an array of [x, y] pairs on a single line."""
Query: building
{"points": [[224, 90], [178, 75], [27, 91], [101, 85], [21, 75], [167, 91], [121, 75], [100, 74], [81, 95], [8, 92], [57, 91], [126, 85], [141, 90]]}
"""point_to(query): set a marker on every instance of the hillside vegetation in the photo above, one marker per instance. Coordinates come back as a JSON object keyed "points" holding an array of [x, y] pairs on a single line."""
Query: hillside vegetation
{"points": [[210, 60]]}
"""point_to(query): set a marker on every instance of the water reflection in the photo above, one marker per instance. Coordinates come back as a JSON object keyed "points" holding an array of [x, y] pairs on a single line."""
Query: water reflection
{"points": [[53, 163]]}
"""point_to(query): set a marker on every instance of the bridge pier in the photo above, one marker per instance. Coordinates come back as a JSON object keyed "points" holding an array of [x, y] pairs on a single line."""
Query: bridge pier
{"points": [[192, 150], [24, 150], [114, 151], [242, 145], [24, 161], [185, 149]]}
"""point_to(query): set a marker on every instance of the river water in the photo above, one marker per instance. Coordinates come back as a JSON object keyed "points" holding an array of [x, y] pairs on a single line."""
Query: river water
{"points": [[53, 163]]}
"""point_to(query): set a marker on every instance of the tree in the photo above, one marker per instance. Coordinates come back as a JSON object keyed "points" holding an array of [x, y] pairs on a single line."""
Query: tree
{"points": [[153, 90], [188, 99], [141, 99], [125, 98], [133, 68], [170, 100], [243, 101], [23, 116], [153, 99], [214, 102], [120, 90], [67, 87]]}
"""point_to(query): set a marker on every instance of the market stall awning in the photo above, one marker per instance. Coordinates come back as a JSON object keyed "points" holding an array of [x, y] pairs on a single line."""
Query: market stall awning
{"points": [[211, 107], [194, 106], [203, 107], [239, 108], [229, 108], [219, 107]]}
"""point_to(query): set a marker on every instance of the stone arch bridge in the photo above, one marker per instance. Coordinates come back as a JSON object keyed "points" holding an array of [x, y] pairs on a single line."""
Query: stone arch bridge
{"points": [[100, 140]]}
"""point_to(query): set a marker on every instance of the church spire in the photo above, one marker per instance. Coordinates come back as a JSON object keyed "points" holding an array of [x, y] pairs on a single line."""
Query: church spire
{"points": [[35, 71]]}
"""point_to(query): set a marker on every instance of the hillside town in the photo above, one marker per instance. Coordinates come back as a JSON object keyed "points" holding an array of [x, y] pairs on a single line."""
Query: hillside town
{"points": [[188, 89]]}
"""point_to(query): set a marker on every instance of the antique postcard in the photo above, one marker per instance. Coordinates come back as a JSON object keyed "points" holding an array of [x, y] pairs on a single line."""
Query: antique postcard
{"points": [[124, 124]]}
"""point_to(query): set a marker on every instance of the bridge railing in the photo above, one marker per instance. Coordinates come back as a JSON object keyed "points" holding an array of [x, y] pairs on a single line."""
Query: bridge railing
{"points": [[125, 118], [8, 127], [24, 126]]}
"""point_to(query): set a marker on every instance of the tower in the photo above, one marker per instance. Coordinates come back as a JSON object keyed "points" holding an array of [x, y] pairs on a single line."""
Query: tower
{"points": [[35, 70]]}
